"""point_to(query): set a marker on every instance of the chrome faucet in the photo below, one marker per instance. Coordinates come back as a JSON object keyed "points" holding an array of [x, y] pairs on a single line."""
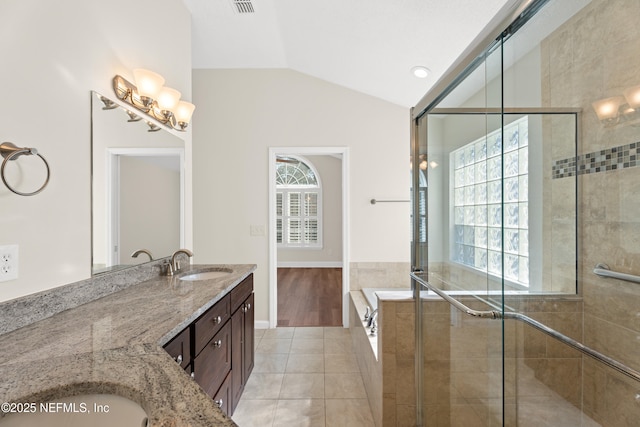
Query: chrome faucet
{"points": [[142, 251], [372, 318], [174, 264]]}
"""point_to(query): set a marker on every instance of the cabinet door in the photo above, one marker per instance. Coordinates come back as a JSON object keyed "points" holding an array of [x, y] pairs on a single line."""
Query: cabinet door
{"points": [[237, 385], [213, 364], [248, 338], [180, 348], [223, 396]]}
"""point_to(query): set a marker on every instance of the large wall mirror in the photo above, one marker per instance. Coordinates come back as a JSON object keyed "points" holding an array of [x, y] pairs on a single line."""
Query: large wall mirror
{"points": [[137, 189]]}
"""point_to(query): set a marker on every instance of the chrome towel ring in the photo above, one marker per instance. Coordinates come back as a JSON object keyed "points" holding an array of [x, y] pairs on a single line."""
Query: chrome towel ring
{"points": [[10, 152]]}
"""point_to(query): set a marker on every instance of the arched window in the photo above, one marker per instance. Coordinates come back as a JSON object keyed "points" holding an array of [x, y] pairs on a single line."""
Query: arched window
{"points": [[298, 203]]}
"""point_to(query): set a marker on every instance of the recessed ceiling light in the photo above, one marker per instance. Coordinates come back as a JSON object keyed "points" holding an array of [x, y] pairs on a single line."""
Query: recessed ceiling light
{"points": [[420, 72]]}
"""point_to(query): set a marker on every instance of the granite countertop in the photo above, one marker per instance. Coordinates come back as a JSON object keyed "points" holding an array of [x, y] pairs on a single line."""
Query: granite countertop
{"points": [[113, 345]]}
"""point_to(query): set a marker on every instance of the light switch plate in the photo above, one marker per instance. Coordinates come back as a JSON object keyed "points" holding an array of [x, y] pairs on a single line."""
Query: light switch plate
{"points": [[257, 230], [8, 262]]}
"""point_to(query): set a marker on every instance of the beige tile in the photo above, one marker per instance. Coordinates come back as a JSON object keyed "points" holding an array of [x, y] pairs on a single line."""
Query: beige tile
{"points": [[259, 333], [263, 386], [339, 386], [348, 413], [338, 346], [279, 333], [336, 332], [300, 412], [275, 345], [302, 386], [307, 346], [255, 413], [338, 363], [406, 415], [305, 363], [270, 362], [309, 332]]}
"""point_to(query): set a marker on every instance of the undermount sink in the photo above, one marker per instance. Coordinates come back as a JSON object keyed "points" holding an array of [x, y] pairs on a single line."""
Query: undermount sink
{"points": [[207, 275], [96, 410]]}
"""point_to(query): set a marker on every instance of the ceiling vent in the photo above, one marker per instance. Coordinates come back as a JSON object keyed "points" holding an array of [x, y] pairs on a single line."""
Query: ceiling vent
{"points": [[242, 6]]}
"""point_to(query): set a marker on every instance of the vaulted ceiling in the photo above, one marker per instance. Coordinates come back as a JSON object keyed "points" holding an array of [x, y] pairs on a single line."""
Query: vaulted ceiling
{"points": [[366, 45]]}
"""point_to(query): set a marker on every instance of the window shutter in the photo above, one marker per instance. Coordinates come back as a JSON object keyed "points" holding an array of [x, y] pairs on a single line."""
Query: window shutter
{"points": [[311, 204], [295, 230], [294, 204], [298, 205]]}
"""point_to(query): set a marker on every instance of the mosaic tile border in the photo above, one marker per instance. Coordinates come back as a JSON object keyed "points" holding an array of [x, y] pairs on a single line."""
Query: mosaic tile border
{"points": [[621, 157]]}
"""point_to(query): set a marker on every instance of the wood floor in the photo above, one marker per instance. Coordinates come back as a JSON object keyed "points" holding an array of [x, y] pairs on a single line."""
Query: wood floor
{"points": [[309, 297]]}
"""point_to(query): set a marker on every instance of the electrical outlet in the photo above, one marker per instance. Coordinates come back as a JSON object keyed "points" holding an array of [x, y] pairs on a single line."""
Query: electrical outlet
{"points": [[8, 262]]}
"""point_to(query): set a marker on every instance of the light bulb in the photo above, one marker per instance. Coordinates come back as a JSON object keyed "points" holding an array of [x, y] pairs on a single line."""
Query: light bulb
{"points": [[183, 112], [168, 99], [607, 109], [148, 83]]}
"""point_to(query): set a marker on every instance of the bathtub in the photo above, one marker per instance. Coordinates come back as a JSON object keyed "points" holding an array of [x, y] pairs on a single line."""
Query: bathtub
{"points": [[371, 295]]}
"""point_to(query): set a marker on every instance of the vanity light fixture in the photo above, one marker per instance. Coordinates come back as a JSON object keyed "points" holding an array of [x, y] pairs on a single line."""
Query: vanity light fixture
{"points": [[151, 97], [632, 95], [619, 110]]}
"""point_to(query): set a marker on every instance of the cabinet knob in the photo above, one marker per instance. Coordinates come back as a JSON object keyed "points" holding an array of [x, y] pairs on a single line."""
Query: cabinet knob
{"points": [[248, 306], [193, 375], [217, 344], [179, 358], [217, 320], [219, 402]]}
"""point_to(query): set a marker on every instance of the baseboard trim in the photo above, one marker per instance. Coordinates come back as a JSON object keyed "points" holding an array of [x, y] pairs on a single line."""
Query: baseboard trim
{"points": [[310, 264], [261, 324]]}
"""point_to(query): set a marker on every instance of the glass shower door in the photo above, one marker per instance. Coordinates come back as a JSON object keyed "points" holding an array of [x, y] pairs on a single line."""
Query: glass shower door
{"points": [[458, 251]]}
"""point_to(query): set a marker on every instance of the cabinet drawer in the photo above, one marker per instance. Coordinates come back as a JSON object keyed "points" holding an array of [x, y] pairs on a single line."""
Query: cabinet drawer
{"points": [[241, 292], [213, 363], [211, 322], [223, 396], [180, 348]]}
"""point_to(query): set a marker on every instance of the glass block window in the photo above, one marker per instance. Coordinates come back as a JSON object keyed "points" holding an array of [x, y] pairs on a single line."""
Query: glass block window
{"points": [[490, 185], [298, 204], [422, 207]]}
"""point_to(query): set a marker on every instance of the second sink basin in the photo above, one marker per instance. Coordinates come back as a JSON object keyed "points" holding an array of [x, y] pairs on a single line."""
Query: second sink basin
{"points": [[207, 275]]}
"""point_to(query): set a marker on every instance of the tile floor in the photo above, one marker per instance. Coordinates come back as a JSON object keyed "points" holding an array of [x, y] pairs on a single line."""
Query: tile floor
{"points": [[304, 376]]}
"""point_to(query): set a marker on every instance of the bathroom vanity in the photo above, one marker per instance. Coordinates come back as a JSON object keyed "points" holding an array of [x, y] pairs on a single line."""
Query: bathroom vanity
{"points": [[116, 345], [217, 349]]}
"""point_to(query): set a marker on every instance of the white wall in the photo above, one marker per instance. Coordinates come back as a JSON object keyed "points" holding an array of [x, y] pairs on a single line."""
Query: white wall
{"points": [[53, 55], [243, 112], [149, 214], [329, 170]]}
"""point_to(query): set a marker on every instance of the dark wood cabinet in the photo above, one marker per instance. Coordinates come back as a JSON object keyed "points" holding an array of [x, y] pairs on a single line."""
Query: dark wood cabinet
{"points": [[223, 396], [210, 323], [217, 349], [180, 348], [242, 329], [213, 363]]}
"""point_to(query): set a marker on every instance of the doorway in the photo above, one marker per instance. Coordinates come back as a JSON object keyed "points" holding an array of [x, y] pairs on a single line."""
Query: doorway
{"points": [[308, 236]]}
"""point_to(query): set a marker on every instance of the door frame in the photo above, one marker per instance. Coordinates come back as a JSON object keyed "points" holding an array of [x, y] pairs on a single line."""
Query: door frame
{"points": [[273, 245]]}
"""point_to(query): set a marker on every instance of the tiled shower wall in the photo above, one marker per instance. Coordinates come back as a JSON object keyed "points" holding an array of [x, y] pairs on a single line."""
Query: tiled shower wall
{"points": [[379, 275], [388, 372], [594, 56]]}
